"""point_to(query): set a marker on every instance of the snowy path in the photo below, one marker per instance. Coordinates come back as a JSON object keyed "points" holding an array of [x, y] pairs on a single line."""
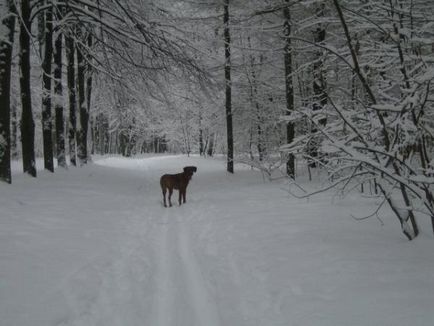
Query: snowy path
{"points": [[155, 279], [179, 279], [95, 246]]}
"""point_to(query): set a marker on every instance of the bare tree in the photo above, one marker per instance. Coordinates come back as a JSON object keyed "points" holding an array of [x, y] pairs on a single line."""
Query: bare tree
{"points": [[289, 87], [72, 98], [7, 24], [46, 90], [82, 152], [379, 134], [27, 122], [228, 87], [58, 93]]}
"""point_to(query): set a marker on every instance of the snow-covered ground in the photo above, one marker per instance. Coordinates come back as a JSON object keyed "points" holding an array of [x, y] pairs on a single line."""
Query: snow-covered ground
{"points": [[94, 246]]}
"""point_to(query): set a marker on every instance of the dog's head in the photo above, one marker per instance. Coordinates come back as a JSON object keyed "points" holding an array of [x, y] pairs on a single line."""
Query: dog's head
{"points": [[190, 170]]}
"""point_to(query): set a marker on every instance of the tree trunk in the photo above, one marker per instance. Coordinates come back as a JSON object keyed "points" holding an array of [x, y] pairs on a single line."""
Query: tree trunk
{"points": [[72, 130], [58, 106], [289, 88], [14, 131], [260, 143], [230, 137], [46, 91], [319, 91], [92, 136], [254, 101], [88, 84], [84, 116], [27, 122], [6, 45], [201, 144], [103, 139], [210, 146]]}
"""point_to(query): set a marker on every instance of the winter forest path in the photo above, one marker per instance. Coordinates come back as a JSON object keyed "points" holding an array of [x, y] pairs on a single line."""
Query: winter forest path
{"points": [[161, 273], [94, 246], [155, 278]]}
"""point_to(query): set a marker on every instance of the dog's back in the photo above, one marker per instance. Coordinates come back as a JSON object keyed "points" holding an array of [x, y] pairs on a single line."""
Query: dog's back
{"points": [[172, 181]]}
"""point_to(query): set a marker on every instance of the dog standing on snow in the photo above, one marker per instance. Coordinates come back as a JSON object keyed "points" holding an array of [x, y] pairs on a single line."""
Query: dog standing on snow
{"points": [[177, 181]]}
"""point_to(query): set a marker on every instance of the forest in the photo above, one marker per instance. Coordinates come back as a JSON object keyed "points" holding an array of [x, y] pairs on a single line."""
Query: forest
{"points": [[341, 86]]}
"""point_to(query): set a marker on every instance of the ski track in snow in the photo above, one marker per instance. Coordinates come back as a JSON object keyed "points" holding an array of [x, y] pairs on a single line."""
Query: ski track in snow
{"points": [[204, 307], [164, 288], [179, 275]]}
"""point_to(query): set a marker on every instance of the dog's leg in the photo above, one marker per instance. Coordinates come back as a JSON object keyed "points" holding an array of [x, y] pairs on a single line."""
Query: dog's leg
{"points": [[170, 197], [180, 195], [184, 194], [164, 197]]}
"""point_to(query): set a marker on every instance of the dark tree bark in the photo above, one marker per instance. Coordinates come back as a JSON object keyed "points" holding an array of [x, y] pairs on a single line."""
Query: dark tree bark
{"points": [[289, 87], [46, 87], [210, 146], [229, 127], [72, 130], [27, 122], [319, 87], [201, 144], [89, 72], [92, 135], [6, 45], [14, 131], [101, 135], [254, 99], [260, 143], [58, 91], [84, 115]]}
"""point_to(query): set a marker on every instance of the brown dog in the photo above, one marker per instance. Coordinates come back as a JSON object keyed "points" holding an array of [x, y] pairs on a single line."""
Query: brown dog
{"points": [[176, 181]]}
